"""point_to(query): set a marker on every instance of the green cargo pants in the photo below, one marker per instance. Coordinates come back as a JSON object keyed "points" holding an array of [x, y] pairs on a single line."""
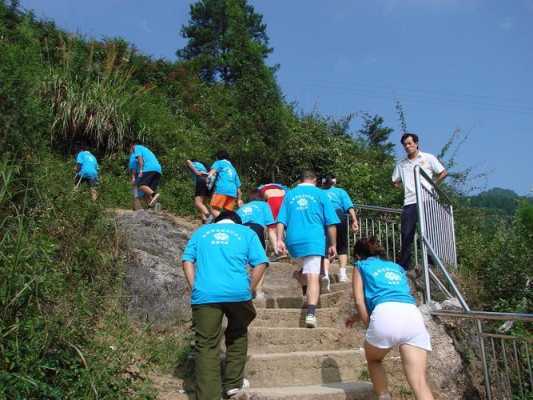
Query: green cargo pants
{"points": [[207, 326]]}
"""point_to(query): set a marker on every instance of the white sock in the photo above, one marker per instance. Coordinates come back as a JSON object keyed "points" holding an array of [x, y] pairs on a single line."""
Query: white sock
{"points": [[342, 271]]}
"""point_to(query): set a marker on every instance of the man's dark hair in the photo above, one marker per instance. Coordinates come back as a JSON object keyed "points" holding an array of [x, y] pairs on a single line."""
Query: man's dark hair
{"points": [[406, 135], [229, 215], [307, 174], [222, 155], [328, 180]]}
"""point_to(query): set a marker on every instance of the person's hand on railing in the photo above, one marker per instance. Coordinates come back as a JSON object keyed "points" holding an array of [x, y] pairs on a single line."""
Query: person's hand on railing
{"points": [[355, 226]]}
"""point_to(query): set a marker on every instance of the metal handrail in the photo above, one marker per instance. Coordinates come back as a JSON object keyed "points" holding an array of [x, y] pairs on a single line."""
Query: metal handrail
{"points": [[486, 315], [377, 208], [435, 187], [438, 209]]}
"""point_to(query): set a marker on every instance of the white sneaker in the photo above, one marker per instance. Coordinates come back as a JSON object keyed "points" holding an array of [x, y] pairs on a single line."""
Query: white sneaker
{"points": [[326, 283], [343, 277], [310, 321], [239, 394]]}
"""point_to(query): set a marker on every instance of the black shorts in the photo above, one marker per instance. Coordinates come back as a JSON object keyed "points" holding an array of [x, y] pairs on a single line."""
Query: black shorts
{"points": [[150, 179], [91, 182], [342, 234], [259, 230], [201, 187]]}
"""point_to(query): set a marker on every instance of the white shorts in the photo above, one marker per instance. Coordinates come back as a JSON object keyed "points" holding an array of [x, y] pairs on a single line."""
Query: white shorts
{"points": [[310, 264], [393, 324]]}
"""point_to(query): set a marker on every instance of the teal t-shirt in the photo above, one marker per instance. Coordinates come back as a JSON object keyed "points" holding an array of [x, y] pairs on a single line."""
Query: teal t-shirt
{"points": [[306, 212], [228, 180], [256, 212], [150, 163], [88, 165], [200, 168], [221, 253], [339, 199], [384, 281]]}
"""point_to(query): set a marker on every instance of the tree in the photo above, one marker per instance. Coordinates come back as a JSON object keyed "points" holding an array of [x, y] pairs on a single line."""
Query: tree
{"points": [[227, 39], [375, 133]]}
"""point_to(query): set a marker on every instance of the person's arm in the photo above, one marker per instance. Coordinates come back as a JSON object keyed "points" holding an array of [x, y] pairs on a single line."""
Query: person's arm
{"points": [[188, 268], [441, 176], [396, 178], [280, 233], [140, 163], [273, 238], [257, 273], [193, 169], [78, 168], [239, 197], [359, 297], [332, 234], [353, 216]]}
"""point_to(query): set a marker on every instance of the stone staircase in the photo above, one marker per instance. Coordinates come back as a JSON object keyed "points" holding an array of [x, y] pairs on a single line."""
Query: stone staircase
{"points": [[287, 361], [290, 362]]}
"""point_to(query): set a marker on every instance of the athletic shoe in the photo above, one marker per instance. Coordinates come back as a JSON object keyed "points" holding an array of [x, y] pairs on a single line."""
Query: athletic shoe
{"points": [[326, 283], [310, 321], [239, 394], [343, 277]]}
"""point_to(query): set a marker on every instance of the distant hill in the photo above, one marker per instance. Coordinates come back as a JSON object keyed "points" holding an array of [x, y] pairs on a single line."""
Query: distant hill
{"points": [[503, 200]]}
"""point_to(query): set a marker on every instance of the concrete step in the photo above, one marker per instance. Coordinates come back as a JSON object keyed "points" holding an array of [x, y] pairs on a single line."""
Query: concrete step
{"points": [[297, 301], [294, 317], [305, 368], [333, 391], [279, 340]]}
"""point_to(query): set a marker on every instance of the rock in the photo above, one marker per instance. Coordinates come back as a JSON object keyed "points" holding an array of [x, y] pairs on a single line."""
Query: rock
{"points": [[155, 286], [446, 372]]}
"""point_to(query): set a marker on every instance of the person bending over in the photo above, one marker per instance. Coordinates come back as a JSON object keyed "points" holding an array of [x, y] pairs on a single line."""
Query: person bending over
{"points": [[386, 307]]}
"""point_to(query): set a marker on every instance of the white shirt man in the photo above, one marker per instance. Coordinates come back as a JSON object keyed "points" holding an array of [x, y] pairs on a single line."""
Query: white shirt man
{"points": [[404, 175]]}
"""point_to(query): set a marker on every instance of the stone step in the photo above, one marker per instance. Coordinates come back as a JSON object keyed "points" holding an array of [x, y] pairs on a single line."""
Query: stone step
{"points": [[294, 317], [279, 340], [297, 301], [305, 368], [333, 391]]}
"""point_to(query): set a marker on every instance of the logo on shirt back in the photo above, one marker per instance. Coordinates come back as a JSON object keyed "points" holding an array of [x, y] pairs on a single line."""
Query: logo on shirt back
{"points": [[248, 210], [221, 236], [302, 203], [393, 277]]}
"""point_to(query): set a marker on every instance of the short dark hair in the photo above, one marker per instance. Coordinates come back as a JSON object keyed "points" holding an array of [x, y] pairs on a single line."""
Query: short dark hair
{"points": [[229, 215], [406, 135], [222, 155], [328, 180], [307, 174], [368, 247]]}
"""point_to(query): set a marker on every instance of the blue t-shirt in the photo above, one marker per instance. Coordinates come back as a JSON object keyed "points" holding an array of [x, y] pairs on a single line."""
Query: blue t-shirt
{"points": [[200, 168], [133, 165], [384, 281], [306, 211], [150, 163], [228, 180], [221, 253], [256, 212], [88, 165], [339, 199]]}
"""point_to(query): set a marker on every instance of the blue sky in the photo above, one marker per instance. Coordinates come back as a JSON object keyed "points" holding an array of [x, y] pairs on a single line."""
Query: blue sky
{"points": [[463, 64]]}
